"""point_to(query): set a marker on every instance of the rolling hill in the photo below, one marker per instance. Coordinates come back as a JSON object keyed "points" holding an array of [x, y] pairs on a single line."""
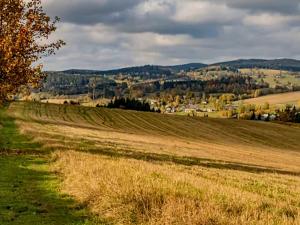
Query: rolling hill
{"points": [[151, 69], [128, 167], [276, 64], [217, 131]]}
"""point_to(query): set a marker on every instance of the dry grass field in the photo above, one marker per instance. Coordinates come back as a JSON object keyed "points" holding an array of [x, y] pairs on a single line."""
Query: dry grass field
{"points": [[83, 102], [268, 72], [276, 99], [130, 167]]}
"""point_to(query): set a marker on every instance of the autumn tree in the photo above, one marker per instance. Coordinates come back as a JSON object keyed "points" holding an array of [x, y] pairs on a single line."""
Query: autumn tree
{"points": [[257, 93], [24, 31], [266, 106]]}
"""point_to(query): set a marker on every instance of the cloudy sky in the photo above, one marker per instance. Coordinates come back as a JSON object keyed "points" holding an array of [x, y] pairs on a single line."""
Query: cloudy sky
{"points": [[104, 34]]}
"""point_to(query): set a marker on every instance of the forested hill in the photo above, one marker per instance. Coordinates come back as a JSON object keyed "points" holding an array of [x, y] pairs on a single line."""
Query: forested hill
{"points": [[147, 69], [277, 64]]}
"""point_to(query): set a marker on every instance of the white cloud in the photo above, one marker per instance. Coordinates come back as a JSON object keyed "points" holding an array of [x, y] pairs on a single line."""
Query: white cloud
{"points": [[269, 20], [104, 34], [205, 12]]}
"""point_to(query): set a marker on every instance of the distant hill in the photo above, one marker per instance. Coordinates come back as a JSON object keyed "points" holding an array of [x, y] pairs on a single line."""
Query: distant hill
{"points": [[139, 70], [158, 70], [147, 69], [277, 64], [186, 67]]}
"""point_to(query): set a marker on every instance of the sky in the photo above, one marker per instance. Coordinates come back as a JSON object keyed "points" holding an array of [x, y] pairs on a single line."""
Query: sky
{"points": [[106, 34]]}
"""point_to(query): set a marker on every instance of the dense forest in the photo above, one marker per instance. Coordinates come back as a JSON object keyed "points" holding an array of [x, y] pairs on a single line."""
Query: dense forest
{"points": [[147, 70], [75, 84], [130, 104], [229, 84], [137, 82], [61, 84]]}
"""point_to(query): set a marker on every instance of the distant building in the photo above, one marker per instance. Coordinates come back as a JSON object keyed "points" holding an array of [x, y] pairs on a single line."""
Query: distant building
{"points": [[273, 117], [191, 108], [211, 110], [170, 110], [268, 117]]}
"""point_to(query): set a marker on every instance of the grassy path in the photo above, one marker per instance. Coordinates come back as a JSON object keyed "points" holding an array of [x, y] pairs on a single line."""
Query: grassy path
{"points": [[28, 190]]}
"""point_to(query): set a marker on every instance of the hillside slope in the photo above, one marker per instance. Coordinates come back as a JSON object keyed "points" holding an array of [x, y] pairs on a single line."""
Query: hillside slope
{"points": [[136, 168], [220, 139], [276, 99], [276, 64], [151, 69]]}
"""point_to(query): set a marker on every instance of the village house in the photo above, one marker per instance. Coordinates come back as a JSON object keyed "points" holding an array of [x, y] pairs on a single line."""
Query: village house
{"points": [[268, 117], [191, 108]]}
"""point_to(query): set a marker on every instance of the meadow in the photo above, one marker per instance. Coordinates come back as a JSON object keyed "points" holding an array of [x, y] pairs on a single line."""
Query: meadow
{"points": [[292, 98], [107, 166], [267, 72], [273, 77]]}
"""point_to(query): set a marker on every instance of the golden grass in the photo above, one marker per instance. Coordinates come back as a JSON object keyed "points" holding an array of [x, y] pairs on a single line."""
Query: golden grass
{"points": [[126, 191], [284, 98], [268, 72], [83, 102], [83, 128], [144, 168], [57, 101]]}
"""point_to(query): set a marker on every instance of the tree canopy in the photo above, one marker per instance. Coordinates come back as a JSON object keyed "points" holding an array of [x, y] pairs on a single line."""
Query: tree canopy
{"points": [[24, 32]]}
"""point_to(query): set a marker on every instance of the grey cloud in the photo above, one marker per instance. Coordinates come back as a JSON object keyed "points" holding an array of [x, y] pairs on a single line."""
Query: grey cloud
{"points": [[123, 15], [166, 26], [89, 11], [103, 34], [277, 6]]}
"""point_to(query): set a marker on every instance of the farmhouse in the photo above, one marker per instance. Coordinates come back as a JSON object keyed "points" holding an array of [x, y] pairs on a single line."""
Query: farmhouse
{"points": [[268, 117]]}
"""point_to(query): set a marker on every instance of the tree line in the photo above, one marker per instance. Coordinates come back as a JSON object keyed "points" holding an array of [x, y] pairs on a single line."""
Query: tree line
{"points": [[289, 114], [130, 104]]}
